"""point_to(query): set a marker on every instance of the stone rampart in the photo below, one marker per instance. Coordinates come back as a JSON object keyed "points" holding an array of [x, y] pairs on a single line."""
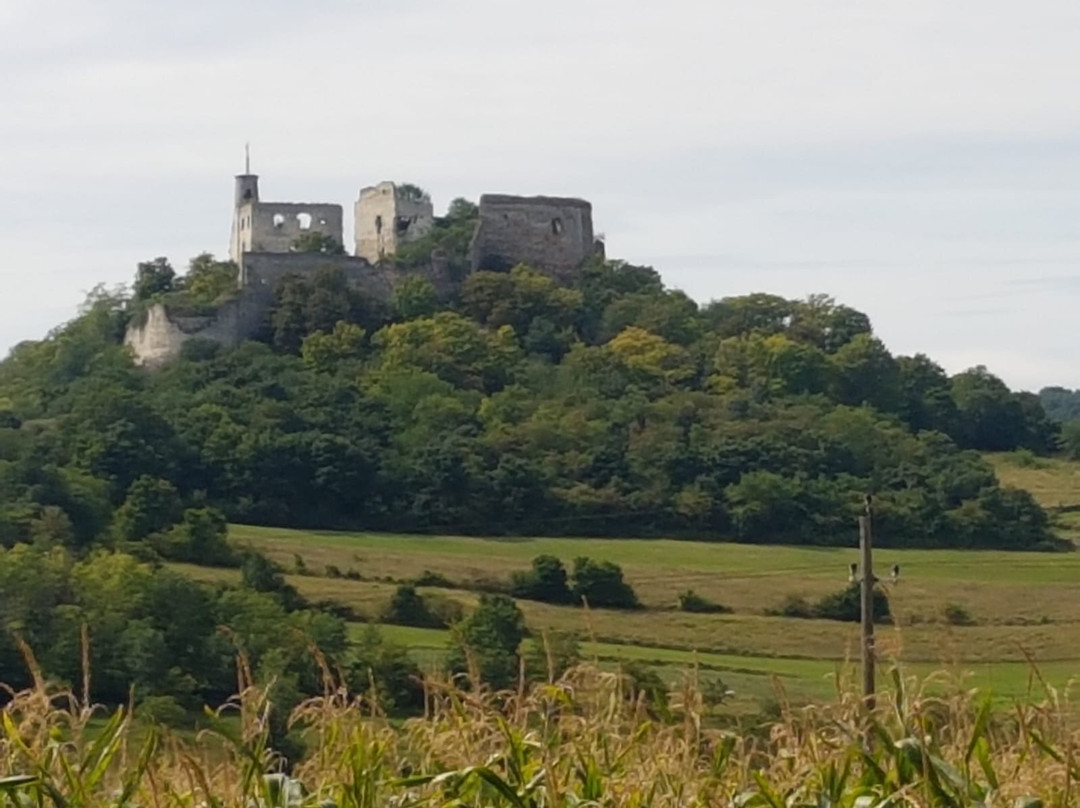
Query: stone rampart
{"points": [[553, 234]]}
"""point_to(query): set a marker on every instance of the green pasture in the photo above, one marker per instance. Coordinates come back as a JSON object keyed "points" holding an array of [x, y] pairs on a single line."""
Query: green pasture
{"points": [[1023, 608]]}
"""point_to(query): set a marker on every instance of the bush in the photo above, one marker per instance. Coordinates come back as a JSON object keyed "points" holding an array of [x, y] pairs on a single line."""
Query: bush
{"points": [[163, 710], [407, 608], [333, 571], [260, 574], [957, 615], [199, 538], [691, 601], [1025, 458], [429, 578], [1070, 439], [487, 641], [795, 606], [447, 610], [601, 584], [846, 605], [545, 582], [397, 681]]}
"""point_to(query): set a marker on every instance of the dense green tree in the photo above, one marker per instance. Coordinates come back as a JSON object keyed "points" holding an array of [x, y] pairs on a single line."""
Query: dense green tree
{"points": [[992, 417], [327, 351], [546, 581], [407, 608], [209, 280], [1070, 439], [153, 278], [487, 642], [1060, 404], [601, 585], [151, 506], [415, 297]]}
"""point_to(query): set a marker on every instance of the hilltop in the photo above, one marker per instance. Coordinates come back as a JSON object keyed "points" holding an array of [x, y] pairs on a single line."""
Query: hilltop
{"points": [[594, 402]]}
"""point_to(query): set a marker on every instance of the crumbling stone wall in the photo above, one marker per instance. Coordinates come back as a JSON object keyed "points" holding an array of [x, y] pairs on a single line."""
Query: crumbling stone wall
{"points": [[159, 338], [386, 217], [553, 234], [274, 226], [264, 271]]}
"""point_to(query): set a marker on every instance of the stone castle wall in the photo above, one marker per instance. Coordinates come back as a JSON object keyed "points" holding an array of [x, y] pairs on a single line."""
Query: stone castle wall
{"points": [[264, 270], [554, 234], [274, 226], [160, 337]]}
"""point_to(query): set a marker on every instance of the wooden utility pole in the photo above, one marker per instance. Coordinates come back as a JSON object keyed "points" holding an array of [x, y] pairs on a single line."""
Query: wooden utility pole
{"points": [[866, 559]]}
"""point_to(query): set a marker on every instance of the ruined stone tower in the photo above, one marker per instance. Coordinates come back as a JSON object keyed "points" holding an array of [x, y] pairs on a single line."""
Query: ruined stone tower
{"points": [[554, 234], [388, 215]]}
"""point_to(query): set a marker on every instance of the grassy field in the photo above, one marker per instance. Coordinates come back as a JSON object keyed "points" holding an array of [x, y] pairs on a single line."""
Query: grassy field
{"points": [[1023, 606]]}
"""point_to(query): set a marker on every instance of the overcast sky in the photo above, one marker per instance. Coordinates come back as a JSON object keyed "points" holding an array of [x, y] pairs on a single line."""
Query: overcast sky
{"points": [[918, 159]]}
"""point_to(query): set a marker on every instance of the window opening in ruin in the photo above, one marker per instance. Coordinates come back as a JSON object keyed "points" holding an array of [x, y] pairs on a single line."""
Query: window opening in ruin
{"points": [[322, 221], [279, 220], [401, 225], [378, 224], [247, 194], [557, 226], [305, 220]]}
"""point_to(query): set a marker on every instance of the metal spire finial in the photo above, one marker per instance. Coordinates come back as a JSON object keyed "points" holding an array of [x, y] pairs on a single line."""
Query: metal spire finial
{"points": [[247, 158]]}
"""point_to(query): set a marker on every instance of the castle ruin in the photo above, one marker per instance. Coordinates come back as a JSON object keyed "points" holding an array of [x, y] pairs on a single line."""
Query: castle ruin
{"points": [[552, 234]]}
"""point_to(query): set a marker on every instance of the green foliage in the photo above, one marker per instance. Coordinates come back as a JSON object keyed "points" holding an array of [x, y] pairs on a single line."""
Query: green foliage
{"points": [[151, 506], [315, 242], [546, 582], [209, 281], [327, 352], [384, 671], [150, 631], [615, 407], [452, 347], [307, 304], [450, 235], [259, 574], [415, 297], [846, 605], [994, 419], [1060, 404], [407, 608], [1070, 439], [486, 642], [199, 538], [691, 601], [153, 278], [601, 585]]}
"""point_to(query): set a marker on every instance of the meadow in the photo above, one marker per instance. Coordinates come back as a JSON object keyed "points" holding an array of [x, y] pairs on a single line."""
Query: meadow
{"points": [[1004, 622], [1007, 623]]}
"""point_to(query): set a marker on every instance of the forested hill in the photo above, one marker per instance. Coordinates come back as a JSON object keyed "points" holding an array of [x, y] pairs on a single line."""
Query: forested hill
{"points": [[615, 407]]}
